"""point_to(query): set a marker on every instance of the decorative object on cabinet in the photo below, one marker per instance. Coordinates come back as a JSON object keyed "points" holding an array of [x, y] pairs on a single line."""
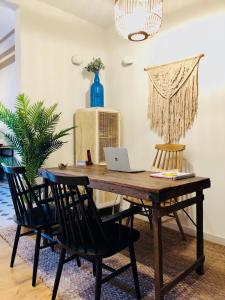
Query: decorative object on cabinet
{"points": [[173, 98], [97, 90], [137, 20], [89, 160], [97, 128]]}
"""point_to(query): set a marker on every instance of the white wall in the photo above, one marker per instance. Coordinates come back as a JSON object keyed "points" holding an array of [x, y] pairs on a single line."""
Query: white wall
{"points": [[7, 19], [49, 37], [8, 79], [199, 28], [9, 84]]}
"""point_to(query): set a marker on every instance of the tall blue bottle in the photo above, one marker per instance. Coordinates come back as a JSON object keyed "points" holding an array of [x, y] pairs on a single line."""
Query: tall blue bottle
{"points": [[97, 92]]}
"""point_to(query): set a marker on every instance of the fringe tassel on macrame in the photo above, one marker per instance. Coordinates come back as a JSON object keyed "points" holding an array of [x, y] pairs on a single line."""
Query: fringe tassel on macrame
{"points": [[173, 100]]}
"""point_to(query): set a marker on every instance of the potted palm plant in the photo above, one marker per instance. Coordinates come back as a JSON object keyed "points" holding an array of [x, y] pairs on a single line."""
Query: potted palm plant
{"points": [[31, 131]]}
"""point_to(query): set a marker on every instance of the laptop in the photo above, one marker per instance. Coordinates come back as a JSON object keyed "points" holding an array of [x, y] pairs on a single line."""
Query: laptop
{"points": [[117, 160]]}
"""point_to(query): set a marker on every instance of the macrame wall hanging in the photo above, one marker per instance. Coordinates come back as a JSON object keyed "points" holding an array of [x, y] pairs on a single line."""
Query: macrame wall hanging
{"points": [[173, 98]]}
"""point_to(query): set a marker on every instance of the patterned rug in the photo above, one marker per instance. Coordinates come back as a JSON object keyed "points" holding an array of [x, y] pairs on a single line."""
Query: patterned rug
{"points": [[6, 206], [78, 283]]}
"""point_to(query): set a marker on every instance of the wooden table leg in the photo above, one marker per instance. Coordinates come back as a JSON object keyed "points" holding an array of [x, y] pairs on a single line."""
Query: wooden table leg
{"points": [[200, 239], [158, 255]]}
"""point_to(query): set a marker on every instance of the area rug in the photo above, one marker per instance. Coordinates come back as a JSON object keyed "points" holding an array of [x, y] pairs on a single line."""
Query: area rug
{"points": [[79, 283], [6, 206]]}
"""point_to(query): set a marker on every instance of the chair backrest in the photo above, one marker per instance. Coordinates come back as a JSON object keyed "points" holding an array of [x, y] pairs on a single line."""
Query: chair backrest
{"points": [[168, 156], [79, 220], [23, 195]]}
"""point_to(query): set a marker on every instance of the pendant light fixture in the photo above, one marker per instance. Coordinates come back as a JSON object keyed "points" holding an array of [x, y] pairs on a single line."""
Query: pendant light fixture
{"points": [[137, 20]]}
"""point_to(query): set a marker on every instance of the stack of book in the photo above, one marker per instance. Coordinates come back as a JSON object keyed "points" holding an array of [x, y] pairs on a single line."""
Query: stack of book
{"points": [[172, 175]]}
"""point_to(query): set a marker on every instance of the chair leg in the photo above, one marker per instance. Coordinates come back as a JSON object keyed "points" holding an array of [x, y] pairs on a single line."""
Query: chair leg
{"points": [[98, 279], [129, 218], [134, 269], [94, 268], [78, 261], [179, 226], [36, 257], [17, 236], [151, 225], [51, 235], [44, 240], [59, 272], [148, 213]]}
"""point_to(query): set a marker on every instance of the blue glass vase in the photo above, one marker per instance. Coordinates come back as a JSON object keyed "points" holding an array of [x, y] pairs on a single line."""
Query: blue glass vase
{"points": [[97, 92]]}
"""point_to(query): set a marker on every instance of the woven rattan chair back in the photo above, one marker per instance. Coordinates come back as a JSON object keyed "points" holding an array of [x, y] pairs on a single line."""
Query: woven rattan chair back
{"points": [[168, 156]]}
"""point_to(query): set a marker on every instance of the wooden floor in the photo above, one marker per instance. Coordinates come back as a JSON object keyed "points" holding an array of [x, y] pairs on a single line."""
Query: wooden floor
{"points": [[15, 283]]}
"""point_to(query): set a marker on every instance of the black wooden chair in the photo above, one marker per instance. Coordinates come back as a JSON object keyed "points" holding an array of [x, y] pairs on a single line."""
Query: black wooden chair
{"points": [[85, 234], [33, 211]]}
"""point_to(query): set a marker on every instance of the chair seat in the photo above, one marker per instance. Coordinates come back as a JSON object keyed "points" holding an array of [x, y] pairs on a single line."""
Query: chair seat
{"points": [[119, 237], [37, 217]]}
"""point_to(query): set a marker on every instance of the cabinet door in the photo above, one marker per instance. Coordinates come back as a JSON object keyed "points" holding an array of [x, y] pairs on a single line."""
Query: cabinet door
{"points": [[96, 129], [108, 132], [85, 134]]}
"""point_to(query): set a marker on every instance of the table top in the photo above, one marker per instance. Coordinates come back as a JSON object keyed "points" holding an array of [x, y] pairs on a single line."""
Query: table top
{"points": [[139, 185]]}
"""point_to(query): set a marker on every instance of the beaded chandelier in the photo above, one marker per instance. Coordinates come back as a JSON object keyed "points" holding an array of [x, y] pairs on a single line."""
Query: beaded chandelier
{"points": [[137, 20]]}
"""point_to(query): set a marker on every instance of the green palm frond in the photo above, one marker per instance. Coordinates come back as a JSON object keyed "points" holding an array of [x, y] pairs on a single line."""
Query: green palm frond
{"points": [[31, 130]]}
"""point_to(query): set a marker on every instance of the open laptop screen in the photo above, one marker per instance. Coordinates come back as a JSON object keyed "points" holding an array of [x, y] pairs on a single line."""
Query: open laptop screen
{"points": [[117, 159]]}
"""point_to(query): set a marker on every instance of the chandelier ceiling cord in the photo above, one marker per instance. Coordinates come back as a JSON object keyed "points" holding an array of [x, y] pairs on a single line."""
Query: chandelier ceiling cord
{"points": [[137, 20]]}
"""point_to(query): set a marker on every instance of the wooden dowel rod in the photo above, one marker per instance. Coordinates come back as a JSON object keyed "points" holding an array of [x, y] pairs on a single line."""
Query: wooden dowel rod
{"points": [[166, 64]]}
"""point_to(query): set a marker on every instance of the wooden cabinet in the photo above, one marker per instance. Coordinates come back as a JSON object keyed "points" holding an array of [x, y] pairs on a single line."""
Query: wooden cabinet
{"points": [[97, 128]]}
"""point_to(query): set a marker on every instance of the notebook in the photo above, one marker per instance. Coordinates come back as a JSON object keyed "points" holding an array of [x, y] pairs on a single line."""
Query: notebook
{"points": [[172, 175], [117, 160]]}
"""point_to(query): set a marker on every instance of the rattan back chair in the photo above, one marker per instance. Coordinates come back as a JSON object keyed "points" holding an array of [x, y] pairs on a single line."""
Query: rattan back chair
{"points": [[167, 157]]}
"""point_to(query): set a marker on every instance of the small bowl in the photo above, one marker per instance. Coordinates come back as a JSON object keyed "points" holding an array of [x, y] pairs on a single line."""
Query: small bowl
{"points": [[62, 166]]}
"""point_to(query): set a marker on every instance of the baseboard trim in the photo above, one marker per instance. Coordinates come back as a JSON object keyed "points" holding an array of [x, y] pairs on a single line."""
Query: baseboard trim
{"points": [[190, 231]]}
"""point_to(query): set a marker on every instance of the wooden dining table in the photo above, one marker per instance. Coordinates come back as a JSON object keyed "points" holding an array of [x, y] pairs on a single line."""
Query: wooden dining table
{"points": [[157, 190]]}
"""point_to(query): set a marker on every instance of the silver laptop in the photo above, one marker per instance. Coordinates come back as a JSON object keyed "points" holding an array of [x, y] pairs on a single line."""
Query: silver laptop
{"points": [[117, 160]]}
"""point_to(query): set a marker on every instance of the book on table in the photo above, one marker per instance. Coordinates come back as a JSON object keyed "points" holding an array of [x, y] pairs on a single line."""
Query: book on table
{"points": [[173, 175]]}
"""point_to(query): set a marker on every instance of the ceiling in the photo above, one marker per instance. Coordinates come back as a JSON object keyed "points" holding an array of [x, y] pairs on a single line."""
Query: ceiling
{"points": [[97, 11], [101, 11]]}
